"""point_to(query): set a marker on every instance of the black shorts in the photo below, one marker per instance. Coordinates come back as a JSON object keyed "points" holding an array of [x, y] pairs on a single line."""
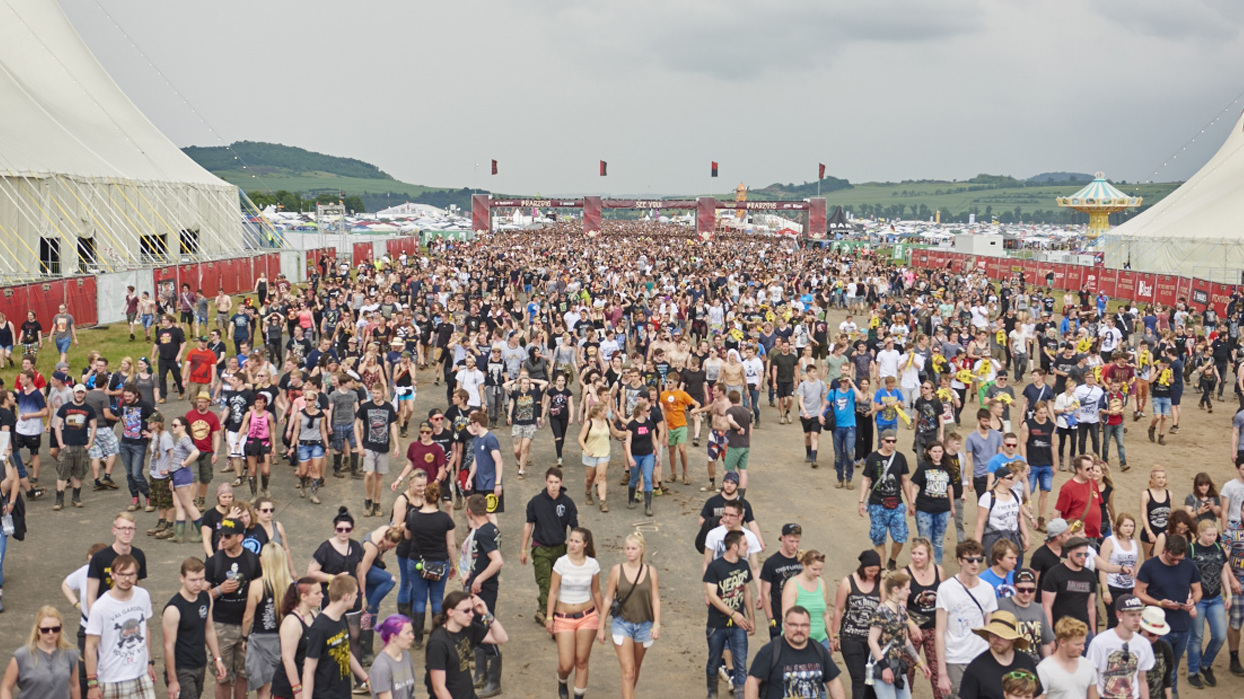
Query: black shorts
{"points": [[820, 351], [27, 441], [53, 442], [785, 389], [810, 425], [255, 447], [187, 316]]}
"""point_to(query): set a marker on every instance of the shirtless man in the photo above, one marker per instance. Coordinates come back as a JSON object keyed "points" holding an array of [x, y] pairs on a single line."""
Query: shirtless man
{"points": [[147, 311], [717, 432], [732, 376], [224, 308]]}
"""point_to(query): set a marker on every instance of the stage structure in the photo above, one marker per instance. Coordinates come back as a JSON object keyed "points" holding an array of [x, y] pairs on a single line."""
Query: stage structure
{"points": [[812, 210]]}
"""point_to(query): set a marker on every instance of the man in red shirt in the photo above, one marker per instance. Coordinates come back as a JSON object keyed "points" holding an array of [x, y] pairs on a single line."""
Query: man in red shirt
{"points": [[1079, 500], [201, 362], [205, 431]]}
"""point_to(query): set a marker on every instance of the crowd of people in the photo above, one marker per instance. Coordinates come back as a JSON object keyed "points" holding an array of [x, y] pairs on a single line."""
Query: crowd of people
{"points": [[642, 360]]}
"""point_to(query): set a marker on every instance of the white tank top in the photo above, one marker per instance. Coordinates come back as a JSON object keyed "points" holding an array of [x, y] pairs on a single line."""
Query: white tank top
{"points": [[1122, 557]]}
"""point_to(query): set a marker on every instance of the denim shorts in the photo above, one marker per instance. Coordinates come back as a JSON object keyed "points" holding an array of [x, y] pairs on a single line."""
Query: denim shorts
{"points": [[183, 477], [595, 461], [1042, 476], [1161, 406], [62, 346], [306, 452], [882, 520], [640, 633]]}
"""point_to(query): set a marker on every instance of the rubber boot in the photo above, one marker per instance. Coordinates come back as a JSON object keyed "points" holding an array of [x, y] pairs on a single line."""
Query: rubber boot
{"points": [[712, 687], [264, 479], [315, 492], [196, 531], [416, 624], [366, 636], [481, 663], [337, 466], [492, 687], [179, 531], [254, 484], [354, 466]]}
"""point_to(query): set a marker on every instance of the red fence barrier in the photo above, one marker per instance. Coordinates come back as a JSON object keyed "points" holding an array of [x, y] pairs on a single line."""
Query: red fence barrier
{"points": [[362, 252], [45, 298], [1126, 285]]}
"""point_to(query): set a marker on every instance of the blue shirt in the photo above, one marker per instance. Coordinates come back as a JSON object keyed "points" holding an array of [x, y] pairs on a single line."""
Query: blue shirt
{"points": [[999, 460], [1002, 587], [485, 466], [888, 417], [843, 405]]}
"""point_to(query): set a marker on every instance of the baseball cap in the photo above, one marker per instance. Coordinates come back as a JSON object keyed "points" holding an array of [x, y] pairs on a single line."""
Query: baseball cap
{"points": [[79, 388], [229, 527], [1025, 575], [202, 338], [1055, 528], [425, 425], [1128, 603], [792, 529], [61, 376]]}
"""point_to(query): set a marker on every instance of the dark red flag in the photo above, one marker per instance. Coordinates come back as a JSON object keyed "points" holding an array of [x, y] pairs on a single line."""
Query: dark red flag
{"points": [[820, 173], [494, 167], [714, 168], [604, 168]]}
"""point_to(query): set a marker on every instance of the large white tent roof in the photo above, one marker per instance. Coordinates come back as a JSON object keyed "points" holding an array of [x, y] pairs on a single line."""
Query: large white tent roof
{"points": [[63, 114], [1197, 230]]}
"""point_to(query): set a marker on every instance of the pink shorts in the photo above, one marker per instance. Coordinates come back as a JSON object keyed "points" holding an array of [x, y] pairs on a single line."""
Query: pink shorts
{"points": [[590, 621]]}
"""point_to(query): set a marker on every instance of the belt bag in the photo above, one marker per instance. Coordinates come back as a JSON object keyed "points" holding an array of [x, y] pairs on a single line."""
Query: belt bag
{"points": [[433, 571]]}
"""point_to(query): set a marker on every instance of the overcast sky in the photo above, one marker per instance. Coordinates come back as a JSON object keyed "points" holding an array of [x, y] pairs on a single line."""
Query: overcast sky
{"points": [[883, 90]]}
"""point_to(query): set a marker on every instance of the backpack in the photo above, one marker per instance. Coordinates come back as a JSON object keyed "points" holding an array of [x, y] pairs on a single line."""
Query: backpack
{"points": [[710, 524], [822, 654]]}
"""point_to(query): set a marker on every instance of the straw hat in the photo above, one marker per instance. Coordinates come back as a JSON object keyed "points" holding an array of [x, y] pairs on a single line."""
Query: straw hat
{"points": [[1003, 625]]}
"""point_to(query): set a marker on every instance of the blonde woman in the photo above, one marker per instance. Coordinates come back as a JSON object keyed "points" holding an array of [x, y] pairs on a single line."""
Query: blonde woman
{"points": [[375, 581], [262, 619], [637, 625], [594, 441], [267, 530], [1121, 549], [47, 665], [808, 590], [1155, 509]]}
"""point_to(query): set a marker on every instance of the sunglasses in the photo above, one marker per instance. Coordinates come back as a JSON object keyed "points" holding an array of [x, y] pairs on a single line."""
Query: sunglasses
{"points": [[266, 509], [437, 419], [891, 441], [425, 431], [973, 559], [49, 629], [344, 530], [1011, 444], [1026, 590]]}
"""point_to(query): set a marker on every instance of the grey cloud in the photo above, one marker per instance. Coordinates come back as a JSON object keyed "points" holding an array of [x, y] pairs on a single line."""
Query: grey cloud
{"points": [[1211, 20]]}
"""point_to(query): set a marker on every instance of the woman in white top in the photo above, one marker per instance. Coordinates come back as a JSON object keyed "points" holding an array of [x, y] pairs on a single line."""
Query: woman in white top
{"points": [[1065, 406], [1120, 549], [998, 514], [573, 614]]}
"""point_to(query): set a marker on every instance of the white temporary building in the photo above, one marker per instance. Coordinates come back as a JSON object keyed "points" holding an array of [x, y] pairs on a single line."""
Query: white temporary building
{"points": [[86, 181], [1195, 231]]}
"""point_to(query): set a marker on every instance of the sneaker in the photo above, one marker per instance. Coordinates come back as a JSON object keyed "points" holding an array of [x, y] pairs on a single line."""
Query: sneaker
{"points": [[60, 504], [361, 688], [1207, 674], [1124, 467], [658, 491], [227, 467], [695, 442], [237, 482], [724, 673], [99, 486], [891, 565], [1174, 429], [77, 503], [710, 488], [521, 474], [35, 493], [109, 483], [1194, 680], [839, 484]]}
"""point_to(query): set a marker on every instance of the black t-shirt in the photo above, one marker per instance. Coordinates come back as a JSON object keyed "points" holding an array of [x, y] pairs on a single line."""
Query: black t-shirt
{"points": [[714, 506], [8, 419], [427, 534], [191, 629], [328, 642], [238, 402], [230, 607], [76, 424], [332, 562], [886, 481], [376, 420], [730, 579], [487, 539], [693, 383], [100, 567], [777, 569], [801, 672], [935, 491], [785, 364], [170, 340], [558, 401], [451, 653], [1073, 589], [641, 436], [1043, 560], [526, 408], [983, 677], [212, 518]]}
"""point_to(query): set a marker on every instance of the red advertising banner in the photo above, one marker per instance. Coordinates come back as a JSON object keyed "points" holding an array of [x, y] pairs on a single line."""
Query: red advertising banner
{"points": [[1220, 296], [1183, 290], [1074, 279], [1199, 294], [1146, 286], [361, 252], [993, 268], [1165, 290], [1106, 281], [1125, 286], [1090, 278]]}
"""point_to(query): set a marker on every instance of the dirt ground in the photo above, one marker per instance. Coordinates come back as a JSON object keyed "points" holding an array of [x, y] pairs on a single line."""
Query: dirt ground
{"points": [[782, 489]]}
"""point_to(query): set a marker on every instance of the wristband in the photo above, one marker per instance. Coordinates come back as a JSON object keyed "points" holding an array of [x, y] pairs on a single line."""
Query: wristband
{"points": [[91, 684]]}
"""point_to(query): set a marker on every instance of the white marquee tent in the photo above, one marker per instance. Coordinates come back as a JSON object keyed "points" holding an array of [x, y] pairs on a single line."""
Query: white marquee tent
{"points": [[1197, 230], [84, 176]]}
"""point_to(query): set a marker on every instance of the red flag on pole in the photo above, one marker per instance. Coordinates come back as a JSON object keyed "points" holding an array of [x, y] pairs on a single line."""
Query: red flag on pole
{"points": [[604, 168], [820, 173], [714, 168], [494, 167]]}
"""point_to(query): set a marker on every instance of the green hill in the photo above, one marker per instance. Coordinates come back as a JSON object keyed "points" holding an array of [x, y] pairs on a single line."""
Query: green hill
{"points": [[270, 172], [987, 196]]}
